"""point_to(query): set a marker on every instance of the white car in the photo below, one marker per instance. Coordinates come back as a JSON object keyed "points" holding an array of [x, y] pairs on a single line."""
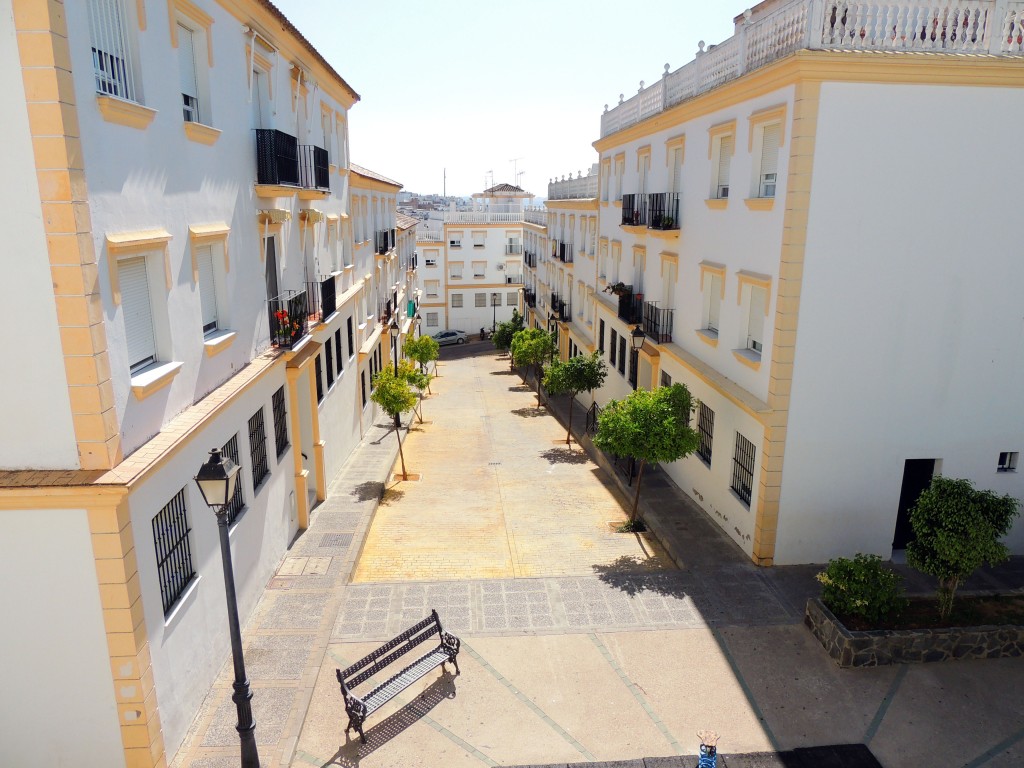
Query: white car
{"points": [[444, 338]]}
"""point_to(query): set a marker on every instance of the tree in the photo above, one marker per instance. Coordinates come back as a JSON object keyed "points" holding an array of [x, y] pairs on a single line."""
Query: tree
{"points": [[957, 528], [418, 379], [531, 347], [392, 393], [423, 350], [651, 427], [583, 373], [502, 336]]}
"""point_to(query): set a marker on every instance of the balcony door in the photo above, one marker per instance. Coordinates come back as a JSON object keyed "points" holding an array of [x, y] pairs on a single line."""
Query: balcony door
{"points": [[270, 262], [260, 100]]}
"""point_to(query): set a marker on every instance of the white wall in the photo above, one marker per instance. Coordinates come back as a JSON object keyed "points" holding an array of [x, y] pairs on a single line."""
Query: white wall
{"points": [[36, 408], [57, 703], [910, 338], [339, 412]]}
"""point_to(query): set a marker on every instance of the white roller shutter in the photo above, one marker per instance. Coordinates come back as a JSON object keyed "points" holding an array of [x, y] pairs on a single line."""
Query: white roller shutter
{"points": [[138, 312], [725, 148], [769, 159], [715, 300], [187, 67], [207, 287], [755, 320]]}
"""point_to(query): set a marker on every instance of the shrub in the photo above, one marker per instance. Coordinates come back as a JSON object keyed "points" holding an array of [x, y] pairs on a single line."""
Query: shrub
{"points": [[861, 587]]}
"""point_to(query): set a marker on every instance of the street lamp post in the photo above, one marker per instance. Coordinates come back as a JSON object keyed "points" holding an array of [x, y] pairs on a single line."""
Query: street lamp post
{"points": [[495, 298], [216, 481], [393, 327], [636, 341]]}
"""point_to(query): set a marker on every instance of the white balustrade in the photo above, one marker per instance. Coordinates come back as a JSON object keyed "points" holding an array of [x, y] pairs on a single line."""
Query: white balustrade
{"points": [[483, 217], [945, 26], [571, 189]]}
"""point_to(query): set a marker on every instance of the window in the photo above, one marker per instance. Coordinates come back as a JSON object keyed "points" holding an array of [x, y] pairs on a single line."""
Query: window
{"points": [[173, 554], [614, 347], [712, 301], [455, 270], [112, 53], [512, 299], [1007, 461], [280, 422], [351, 345], [431, 287], [722, 146], [455, 241], [189, 81], [706, 430], [478, 239], [479, 269], [207, 288], [329, 363], [481, 299], [622, 355], [258, 449], [456, 300], [620, 171], [432, 319], [769, 160], [337, 351], [133, 278], [319, 372], [743, 468], [666, 380], [676, 169], [600, 337], [237, 503], [362, 386], [755, 318]]}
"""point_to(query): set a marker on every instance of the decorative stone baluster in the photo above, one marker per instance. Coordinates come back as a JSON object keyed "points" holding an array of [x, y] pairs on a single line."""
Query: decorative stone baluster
{"points": [[815, 29]]}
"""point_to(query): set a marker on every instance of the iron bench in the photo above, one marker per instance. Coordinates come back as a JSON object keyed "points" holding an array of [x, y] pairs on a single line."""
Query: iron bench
{"points": [[361, 707]]}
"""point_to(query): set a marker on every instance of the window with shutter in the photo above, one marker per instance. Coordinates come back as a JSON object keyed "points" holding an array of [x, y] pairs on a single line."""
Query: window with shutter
{"points": [[714, 285], [187, 66], [755, 318], [207, 288], [133, 278], [769, 160], [725, 149]]}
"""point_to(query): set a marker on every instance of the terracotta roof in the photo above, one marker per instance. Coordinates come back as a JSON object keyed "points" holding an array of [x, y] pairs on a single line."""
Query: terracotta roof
{"points": [[291, 29], [405, 222], [505, 188], [371, 175]]}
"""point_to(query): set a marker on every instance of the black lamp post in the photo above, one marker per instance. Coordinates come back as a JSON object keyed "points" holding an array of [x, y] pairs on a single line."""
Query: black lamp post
{"points": [[216, 481], [495, 298], [393, 327], [636, 341]]}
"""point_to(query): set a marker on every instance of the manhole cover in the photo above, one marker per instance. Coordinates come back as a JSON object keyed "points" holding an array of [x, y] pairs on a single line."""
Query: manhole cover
{"points": [[336, 540]]}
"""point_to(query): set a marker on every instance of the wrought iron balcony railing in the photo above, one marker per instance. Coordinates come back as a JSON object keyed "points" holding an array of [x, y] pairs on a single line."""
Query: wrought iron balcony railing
{"points": [[313, 170], [530, 297], [289, 318], [384, 240], [513, 279], [631, 306], [634, 210], [322, 298], [663, 210], [530, 259], [564, 311], [512, 249], [277, 157], [658, 323], [562, 251]]}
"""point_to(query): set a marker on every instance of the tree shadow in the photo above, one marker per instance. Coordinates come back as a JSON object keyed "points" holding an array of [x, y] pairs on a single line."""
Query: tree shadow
{"points": [[565, 456], [629, 574], [503, 373], [369, 491], [353, 750], [520, 388], [391, 496], [530, 413]]}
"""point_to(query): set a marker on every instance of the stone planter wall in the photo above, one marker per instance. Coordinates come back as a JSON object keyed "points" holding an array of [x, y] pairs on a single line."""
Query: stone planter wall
{"points": [[906, 646]]}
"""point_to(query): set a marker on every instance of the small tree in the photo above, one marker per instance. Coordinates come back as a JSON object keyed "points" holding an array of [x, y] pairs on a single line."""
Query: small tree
{"points": [[650, 426], [423, 350], [531, 347], [957, 528], [393, 395], [502, 336], [583, 373], [417, 378]]}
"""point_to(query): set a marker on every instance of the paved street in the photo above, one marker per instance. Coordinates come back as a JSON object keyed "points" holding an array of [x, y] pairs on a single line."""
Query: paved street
{"points": [[579, 645]]}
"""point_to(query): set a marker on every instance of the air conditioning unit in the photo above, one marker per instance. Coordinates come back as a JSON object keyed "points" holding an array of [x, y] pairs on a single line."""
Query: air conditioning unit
{"points": [[500, 267]]}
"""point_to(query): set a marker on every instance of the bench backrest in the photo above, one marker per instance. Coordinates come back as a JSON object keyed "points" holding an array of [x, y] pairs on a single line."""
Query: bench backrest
{"points": [[393, 649]]}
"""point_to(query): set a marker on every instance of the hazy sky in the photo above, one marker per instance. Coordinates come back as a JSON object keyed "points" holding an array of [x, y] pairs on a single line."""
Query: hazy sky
{"points": [[468, 86]]}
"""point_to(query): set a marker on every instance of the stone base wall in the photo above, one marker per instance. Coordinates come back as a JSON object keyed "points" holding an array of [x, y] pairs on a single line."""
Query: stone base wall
{"points": [[907, 646]]}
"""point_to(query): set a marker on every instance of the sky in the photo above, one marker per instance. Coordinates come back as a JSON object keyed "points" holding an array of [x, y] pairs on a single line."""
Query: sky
{"points": [[486, 91]]}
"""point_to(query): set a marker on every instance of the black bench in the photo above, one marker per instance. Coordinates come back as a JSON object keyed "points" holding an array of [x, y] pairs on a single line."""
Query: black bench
{"points": [[361, 707]]}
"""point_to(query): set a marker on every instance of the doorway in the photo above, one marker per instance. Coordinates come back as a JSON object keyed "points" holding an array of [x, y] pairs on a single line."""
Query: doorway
{"points": [[270, 254], [917, 475]]}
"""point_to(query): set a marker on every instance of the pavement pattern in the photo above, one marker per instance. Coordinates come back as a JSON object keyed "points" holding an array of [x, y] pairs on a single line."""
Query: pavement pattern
{"points": [[591, 658]]}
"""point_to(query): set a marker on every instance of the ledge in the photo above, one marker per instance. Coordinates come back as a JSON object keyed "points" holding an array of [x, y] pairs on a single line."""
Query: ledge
{"points": [[201, 134], [883, 647], [664, 234], [125, 112], [218, 342], [314, 194], [635, 229], [748, 357], [760, 203], [274, 190], [708, 337], [154, 379], [717, 203]]}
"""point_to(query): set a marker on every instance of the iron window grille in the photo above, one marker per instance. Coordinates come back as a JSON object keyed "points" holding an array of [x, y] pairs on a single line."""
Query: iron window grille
{"points": [[237, 503], [173, 555], [280, 422], [337, 351], [706, 430], [743, 468], [258, 449], [622, 355]]}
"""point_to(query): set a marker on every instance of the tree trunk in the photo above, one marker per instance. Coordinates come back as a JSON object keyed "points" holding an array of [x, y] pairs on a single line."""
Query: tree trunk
{"points": [[536, 373], [423, 370], [636, 497], [568, 434], [947, 590], [421, 408], [398, 436]]}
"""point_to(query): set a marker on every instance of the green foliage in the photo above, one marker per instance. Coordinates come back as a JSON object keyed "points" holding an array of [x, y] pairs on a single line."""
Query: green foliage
{"points": [[861, 587], [502, 336], [957, 529], [531, 346], [649, 425], [582, 373], [423, 350], [392, 393], [417, 378]]}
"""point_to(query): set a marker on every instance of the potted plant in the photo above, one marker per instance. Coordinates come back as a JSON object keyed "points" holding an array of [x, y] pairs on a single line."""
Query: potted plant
{"points": [[619, 289]]}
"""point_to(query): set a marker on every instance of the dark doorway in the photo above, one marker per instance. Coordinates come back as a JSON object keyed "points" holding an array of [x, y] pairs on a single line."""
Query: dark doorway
{"points": [[270, 256], [917, 475]]}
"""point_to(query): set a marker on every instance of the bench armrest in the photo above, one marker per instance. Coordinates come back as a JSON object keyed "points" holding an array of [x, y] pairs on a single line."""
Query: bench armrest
{"points": [[450, 642]]}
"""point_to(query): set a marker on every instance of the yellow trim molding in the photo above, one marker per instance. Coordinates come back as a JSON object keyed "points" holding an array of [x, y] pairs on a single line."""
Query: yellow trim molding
{"points": [[195, 15], [124, 112], [675, 142], [707, 338], [719, 130], [313, 194], [744, 277], [767, 115], [201, 134], [274, 190], [217, 344], [717, 203], [752, 364], [760, 203], [154, 379], [715, 269]]}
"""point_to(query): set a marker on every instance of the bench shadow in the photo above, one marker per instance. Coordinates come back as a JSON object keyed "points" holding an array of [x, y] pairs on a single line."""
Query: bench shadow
{"points": [[530, 413], [626, 573], [353, 750], [565, 456], [368, 491], [520, 388]]}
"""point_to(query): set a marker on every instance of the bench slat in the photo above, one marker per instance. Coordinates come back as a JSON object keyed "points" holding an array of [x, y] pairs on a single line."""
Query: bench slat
{"points": [[380, 664], [392, 643], [391, 688]]}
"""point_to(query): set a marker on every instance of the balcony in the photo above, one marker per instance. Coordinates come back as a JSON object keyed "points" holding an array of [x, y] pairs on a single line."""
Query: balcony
{"points": [[322, 298], [385, 309], [429, 235], [564, 311], [580, 188], [530, 297], [499, 213], [634, 210], [631, 306], [663, 210], [562, 251], [530, 259], [277, 158], [313, 171], [513, 249], [536, 215], [384, 240], [658, 323], [513, 279], [289, 319]]}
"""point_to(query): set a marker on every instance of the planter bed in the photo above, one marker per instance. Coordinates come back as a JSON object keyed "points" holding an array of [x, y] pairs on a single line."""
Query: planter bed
{"points": [[871, 648]]}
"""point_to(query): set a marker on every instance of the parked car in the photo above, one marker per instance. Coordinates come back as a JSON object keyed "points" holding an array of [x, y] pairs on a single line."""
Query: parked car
{"points": [[444, 338]]}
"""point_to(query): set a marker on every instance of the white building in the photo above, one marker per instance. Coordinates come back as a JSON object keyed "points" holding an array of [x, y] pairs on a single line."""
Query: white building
{"points": [[815, 240], [191, 275]]}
